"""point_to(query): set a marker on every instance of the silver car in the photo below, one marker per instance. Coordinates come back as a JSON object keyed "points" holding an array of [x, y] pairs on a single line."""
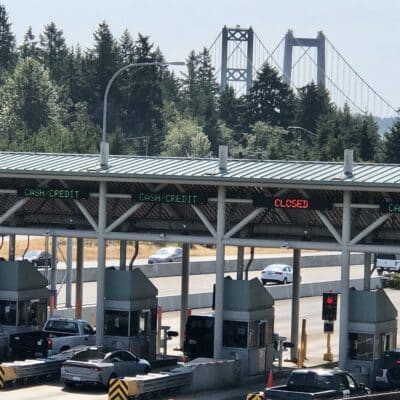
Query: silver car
{"points": [[95, 367], [278, 273], [166, 254]]}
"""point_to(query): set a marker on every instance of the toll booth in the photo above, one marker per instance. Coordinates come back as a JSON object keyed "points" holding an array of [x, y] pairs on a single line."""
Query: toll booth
{"points": [[372, 330], [130, 319], [23, 300], [248, 325]]}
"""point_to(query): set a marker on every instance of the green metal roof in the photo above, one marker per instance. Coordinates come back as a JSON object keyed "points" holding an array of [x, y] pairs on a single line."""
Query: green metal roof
{"points": [[365, 176]]}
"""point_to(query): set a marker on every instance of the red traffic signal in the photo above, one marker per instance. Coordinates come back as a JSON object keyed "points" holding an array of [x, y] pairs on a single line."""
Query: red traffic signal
{"points": [[329, 306]]}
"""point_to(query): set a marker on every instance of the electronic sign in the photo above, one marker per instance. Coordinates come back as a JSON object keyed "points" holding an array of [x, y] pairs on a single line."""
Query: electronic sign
{"points": [[170, 198], [390, 207], [52, 193], [291, 203]]}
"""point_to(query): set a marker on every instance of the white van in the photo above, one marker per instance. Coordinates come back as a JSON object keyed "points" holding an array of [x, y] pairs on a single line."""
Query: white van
{"points": [[387, 262]]}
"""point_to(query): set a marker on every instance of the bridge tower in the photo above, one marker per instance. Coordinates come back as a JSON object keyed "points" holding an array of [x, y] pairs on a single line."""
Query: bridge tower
{"points": [[291, 41], [229, 71]]}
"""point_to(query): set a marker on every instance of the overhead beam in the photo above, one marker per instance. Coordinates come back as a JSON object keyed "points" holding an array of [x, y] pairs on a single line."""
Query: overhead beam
{"points": [[243, 222], [13, 209], [325, 220], [201, 215], [370, 228]]}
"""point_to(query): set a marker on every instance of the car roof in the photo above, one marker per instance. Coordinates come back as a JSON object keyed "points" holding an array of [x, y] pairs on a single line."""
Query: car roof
{"points": [[318, 371], [278, 265]]}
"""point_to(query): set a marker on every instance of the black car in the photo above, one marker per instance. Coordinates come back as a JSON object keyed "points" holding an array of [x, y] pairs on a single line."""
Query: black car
{"points": [[38, 258]]}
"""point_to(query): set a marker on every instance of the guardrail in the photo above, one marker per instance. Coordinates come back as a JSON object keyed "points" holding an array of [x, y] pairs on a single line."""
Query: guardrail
{"points": [[22, 370], [125, 388]]}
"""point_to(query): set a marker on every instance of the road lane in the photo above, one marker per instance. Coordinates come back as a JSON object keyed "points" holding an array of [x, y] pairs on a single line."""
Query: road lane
{"points": [[170, 286]]}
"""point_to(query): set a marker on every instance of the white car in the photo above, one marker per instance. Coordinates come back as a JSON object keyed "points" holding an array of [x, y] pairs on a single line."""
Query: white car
{"points": [[166, 254], [278, 273]]}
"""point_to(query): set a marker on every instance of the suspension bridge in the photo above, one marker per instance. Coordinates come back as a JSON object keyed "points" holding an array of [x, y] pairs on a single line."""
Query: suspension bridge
{"points": [[238, 54]]}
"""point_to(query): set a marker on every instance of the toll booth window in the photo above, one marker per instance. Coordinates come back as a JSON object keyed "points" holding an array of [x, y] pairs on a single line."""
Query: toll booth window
{"points": [[361, 346], [32, 312], [235, 334], [385, 343], [262, 333], [8, 312], [116, 323], [134, 323]]}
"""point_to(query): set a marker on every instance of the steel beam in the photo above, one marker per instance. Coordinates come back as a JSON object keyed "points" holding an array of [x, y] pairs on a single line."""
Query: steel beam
{"points": [[243, 223], [53, 269], [184, 291], [101, 269], [219, 274], [68, 287], [344, 282], [13, 209], [294, 330], [79, 278], [87, 215], [366, 231]]}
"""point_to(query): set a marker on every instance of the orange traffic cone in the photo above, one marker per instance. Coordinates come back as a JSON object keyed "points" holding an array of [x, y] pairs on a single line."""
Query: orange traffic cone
{"points": [[270, 380]]}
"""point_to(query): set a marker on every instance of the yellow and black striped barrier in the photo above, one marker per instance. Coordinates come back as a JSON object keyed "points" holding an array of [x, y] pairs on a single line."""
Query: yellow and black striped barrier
{"points": [[6, 374], [255, 396], [118, 390], [128, 387]]}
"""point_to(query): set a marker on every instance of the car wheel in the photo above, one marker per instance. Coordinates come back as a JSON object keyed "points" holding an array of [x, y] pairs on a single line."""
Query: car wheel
{"points": [[147, 370], [380, 272], [264, 282], [284, 282], [69, 384], [393, 377]]}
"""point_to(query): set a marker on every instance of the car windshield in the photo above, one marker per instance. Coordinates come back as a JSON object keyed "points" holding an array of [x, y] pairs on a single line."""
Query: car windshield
{"points": [[32, 253], [164, 251], [88, 355]]}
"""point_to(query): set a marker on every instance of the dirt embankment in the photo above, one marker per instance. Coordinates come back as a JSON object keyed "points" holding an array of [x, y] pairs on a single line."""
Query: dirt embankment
{"points": [[90, 248]]}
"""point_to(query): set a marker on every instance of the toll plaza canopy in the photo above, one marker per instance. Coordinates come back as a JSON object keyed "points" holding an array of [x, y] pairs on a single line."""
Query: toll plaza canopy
{"points": [[268, 203], [293, 204]]}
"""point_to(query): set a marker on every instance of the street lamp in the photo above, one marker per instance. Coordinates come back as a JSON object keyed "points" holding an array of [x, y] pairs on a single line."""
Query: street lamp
{"points": [[104, 146], [300, 128]]}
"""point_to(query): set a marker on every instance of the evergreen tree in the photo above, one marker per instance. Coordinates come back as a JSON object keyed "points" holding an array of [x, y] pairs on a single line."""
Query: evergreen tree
{"points": [[269, 100], [101, 64], [391, 144], [29, 45], [369, 139], [230, 111], [144, 103], [200, 86], [313, 102], [54, 52], [7, 42]]}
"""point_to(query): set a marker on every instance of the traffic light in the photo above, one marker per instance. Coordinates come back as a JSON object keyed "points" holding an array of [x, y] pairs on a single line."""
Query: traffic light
{"points": [[329, 306], [328, 326]]}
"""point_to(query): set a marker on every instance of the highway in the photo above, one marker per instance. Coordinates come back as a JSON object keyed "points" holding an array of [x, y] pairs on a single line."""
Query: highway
{"points": [[170, 286]]}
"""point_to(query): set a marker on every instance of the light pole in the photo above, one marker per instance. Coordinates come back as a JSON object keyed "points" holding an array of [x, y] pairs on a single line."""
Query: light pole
{"points": [[104, 146]]}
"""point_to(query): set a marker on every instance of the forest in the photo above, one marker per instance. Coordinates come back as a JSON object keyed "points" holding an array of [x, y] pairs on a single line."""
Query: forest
{"points": [[51, 100]]}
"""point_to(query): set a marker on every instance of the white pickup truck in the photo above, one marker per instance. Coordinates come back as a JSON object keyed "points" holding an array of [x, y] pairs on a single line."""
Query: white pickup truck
{"points": [[58, 335], [387, 262]]}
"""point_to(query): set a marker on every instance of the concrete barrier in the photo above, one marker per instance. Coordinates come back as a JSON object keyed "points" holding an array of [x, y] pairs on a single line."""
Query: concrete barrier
{"points": [[204, 300], [214, 374], [208, 267]]}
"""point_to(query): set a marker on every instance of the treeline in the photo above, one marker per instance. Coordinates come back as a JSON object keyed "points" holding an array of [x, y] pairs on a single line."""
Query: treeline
{"points": [[51, 99]]}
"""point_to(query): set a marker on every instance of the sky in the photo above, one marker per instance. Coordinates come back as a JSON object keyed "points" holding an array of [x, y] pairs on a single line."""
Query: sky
{"points": [[366, 32]]}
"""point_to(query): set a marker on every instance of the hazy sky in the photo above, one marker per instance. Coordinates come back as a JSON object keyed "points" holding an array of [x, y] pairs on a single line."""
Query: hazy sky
{"points": [[367, 32]]}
